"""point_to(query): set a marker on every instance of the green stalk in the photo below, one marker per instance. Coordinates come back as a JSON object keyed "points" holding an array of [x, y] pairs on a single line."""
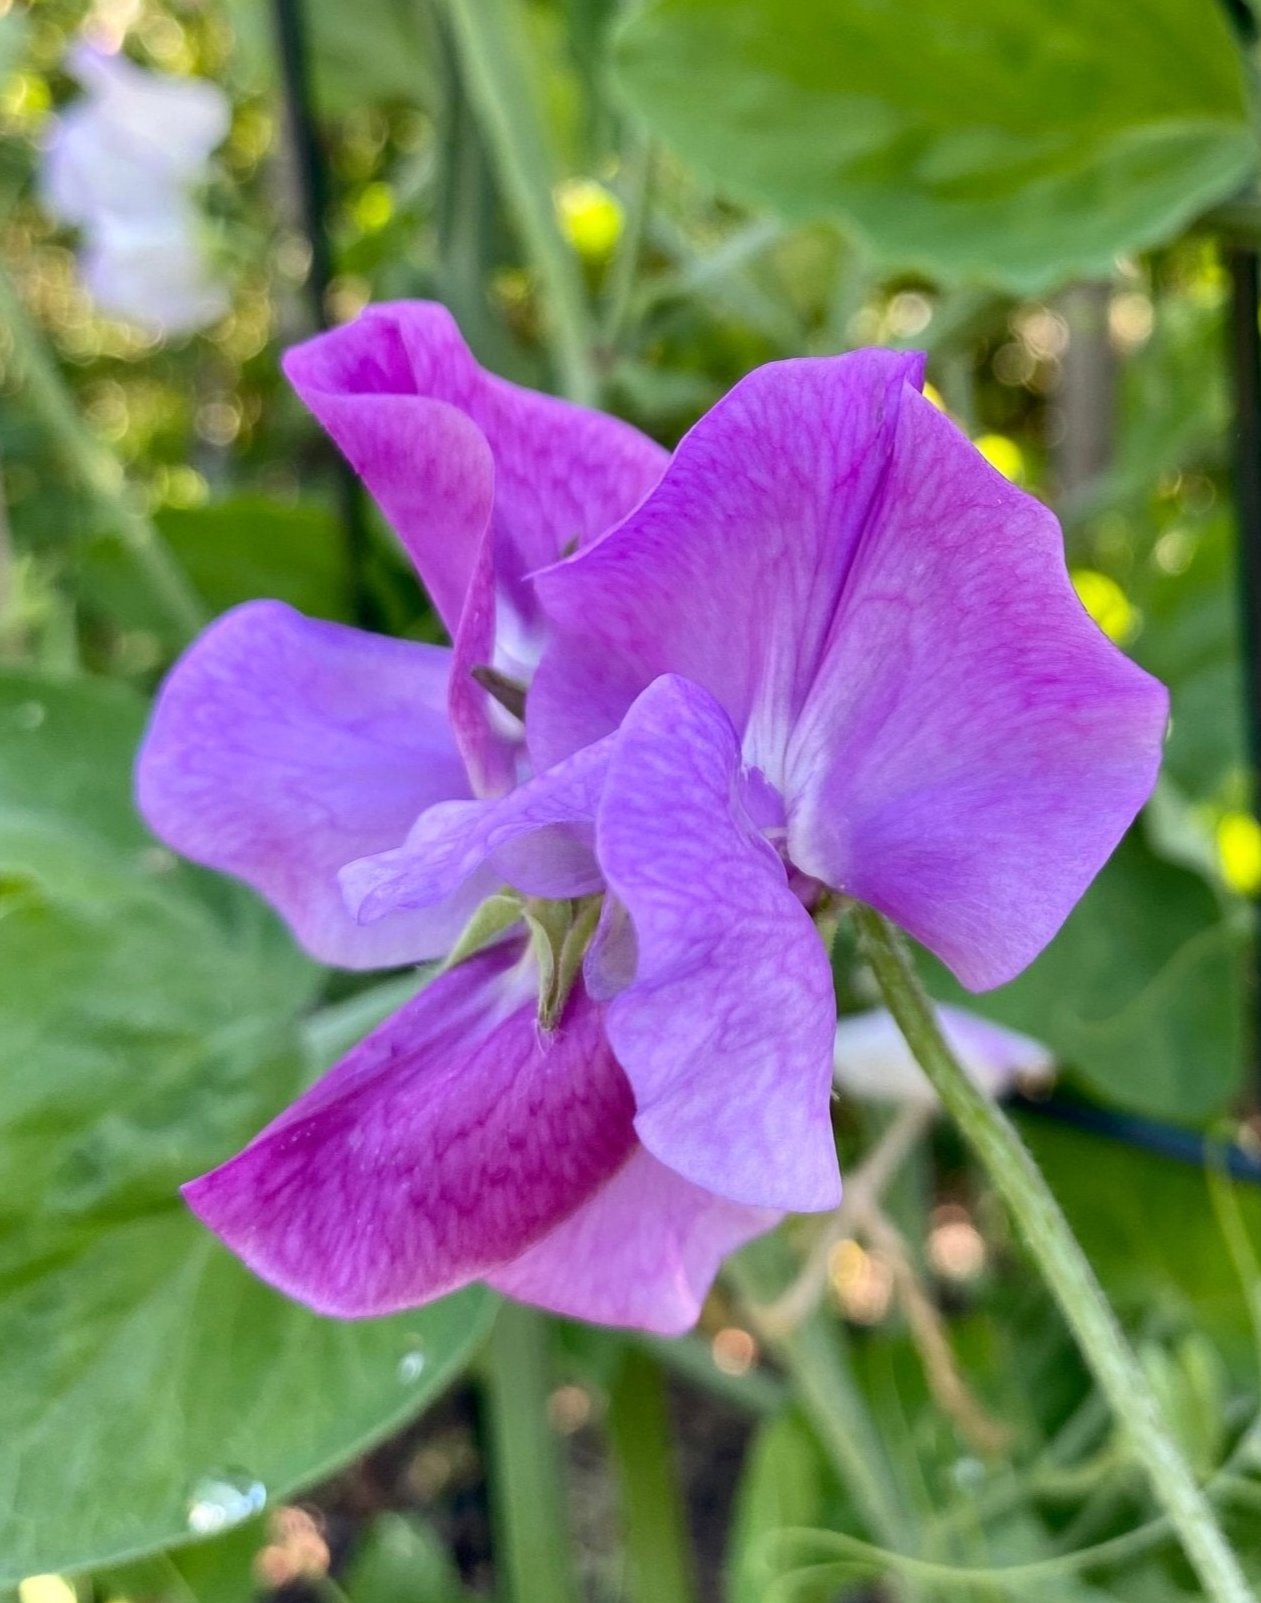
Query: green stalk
{"points": [[532, 1544], [92, 465], [813, 1354], [493, 51], [658, 1557], [1063, 1264]]}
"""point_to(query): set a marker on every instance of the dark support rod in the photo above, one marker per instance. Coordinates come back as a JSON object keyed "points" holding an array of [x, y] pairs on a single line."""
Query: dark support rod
{"points": [[1149, 1135], [313, 186], [1245, 361]]}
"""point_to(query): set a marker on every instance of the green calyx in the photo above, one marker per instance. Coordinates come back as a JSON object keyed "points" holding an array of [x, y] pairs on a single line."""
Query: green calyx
{"points": [[560, 933]]}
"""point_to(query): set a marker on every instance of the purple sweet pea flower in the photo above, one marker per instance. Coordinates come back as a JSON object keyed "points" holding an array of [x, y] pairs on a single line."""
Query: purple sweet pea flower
{"points": [[459, 1141], [830, 648]]}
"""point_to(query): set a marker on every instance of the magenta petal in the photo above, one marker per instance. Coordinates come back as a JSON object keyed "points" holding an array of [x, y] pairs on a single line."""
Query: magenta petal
{"points": [[562, 474], [538, 839], [642, 1252], [482, 480], [973, 748], [428, 466], [446, 1144], [728, 573], [282, 748], [726, 1032]]}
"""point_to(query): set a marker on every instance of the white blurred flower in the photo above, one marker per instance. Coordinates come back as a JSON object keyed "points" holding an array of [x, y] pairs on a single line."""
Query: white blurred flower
{"points": [[873, 1060], [122, 164]]}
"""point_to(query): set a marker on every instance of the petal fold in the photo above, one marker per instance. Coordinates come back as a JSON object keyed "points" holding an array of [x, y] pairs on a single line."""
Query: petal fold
{"points": [[726, 1031], [281, 749], [445, 1145]]}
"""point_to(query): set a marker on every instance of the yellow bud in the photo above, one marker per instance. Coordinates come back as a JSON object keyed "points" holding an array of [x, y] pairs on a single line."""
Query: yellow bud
{"points": [[1239, 852], [590, 217], [933, 394], [1003, 454], [1106, 602]]}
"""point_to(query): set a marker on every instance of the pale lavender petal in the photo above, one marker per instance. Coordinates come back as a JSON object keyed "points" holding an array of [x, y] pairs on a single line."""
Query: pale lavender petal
{"points": [[539, 839], [171, 124], [730, 571], [726, 1032], [874, 1061], [282, 748], [134, 145], [642, 1252], [973, 747], [445, 1145], [154, 271]]}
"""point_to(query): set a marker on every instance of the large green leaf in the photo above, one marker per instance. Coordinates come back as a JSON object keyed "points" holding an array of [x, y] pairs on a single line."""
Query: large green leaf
{"points": [[1018, 144], [1138, 995], [153, 1390]]}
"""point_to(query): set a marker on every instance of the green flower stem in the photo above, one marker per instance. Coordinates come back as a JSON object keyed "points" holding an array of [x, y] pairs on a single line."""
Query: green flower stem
{"points": [[92, 465], [654, 1533], [1063, 1264], [493, 51], [532, 1543], [813, 1354]]}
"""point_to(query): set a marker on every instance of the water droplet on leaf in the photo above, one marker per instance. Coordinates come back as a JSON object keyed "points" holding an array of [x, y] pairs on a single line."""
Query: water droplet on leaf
{"points": [[221, 1501], [411, 1366]]}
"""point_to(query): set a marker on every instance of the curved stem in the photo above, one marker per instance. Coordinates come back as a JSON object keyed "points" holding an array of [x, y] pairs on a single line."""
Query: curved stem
{"points": [[1063, 1264], [492, 52], [94, 466]]}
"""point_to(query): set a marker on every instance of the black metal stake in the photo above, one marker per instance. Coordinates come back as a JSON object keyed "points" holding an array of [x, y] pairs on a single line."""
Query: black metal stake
{"points": [[314, 190], [1245, 362]]}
